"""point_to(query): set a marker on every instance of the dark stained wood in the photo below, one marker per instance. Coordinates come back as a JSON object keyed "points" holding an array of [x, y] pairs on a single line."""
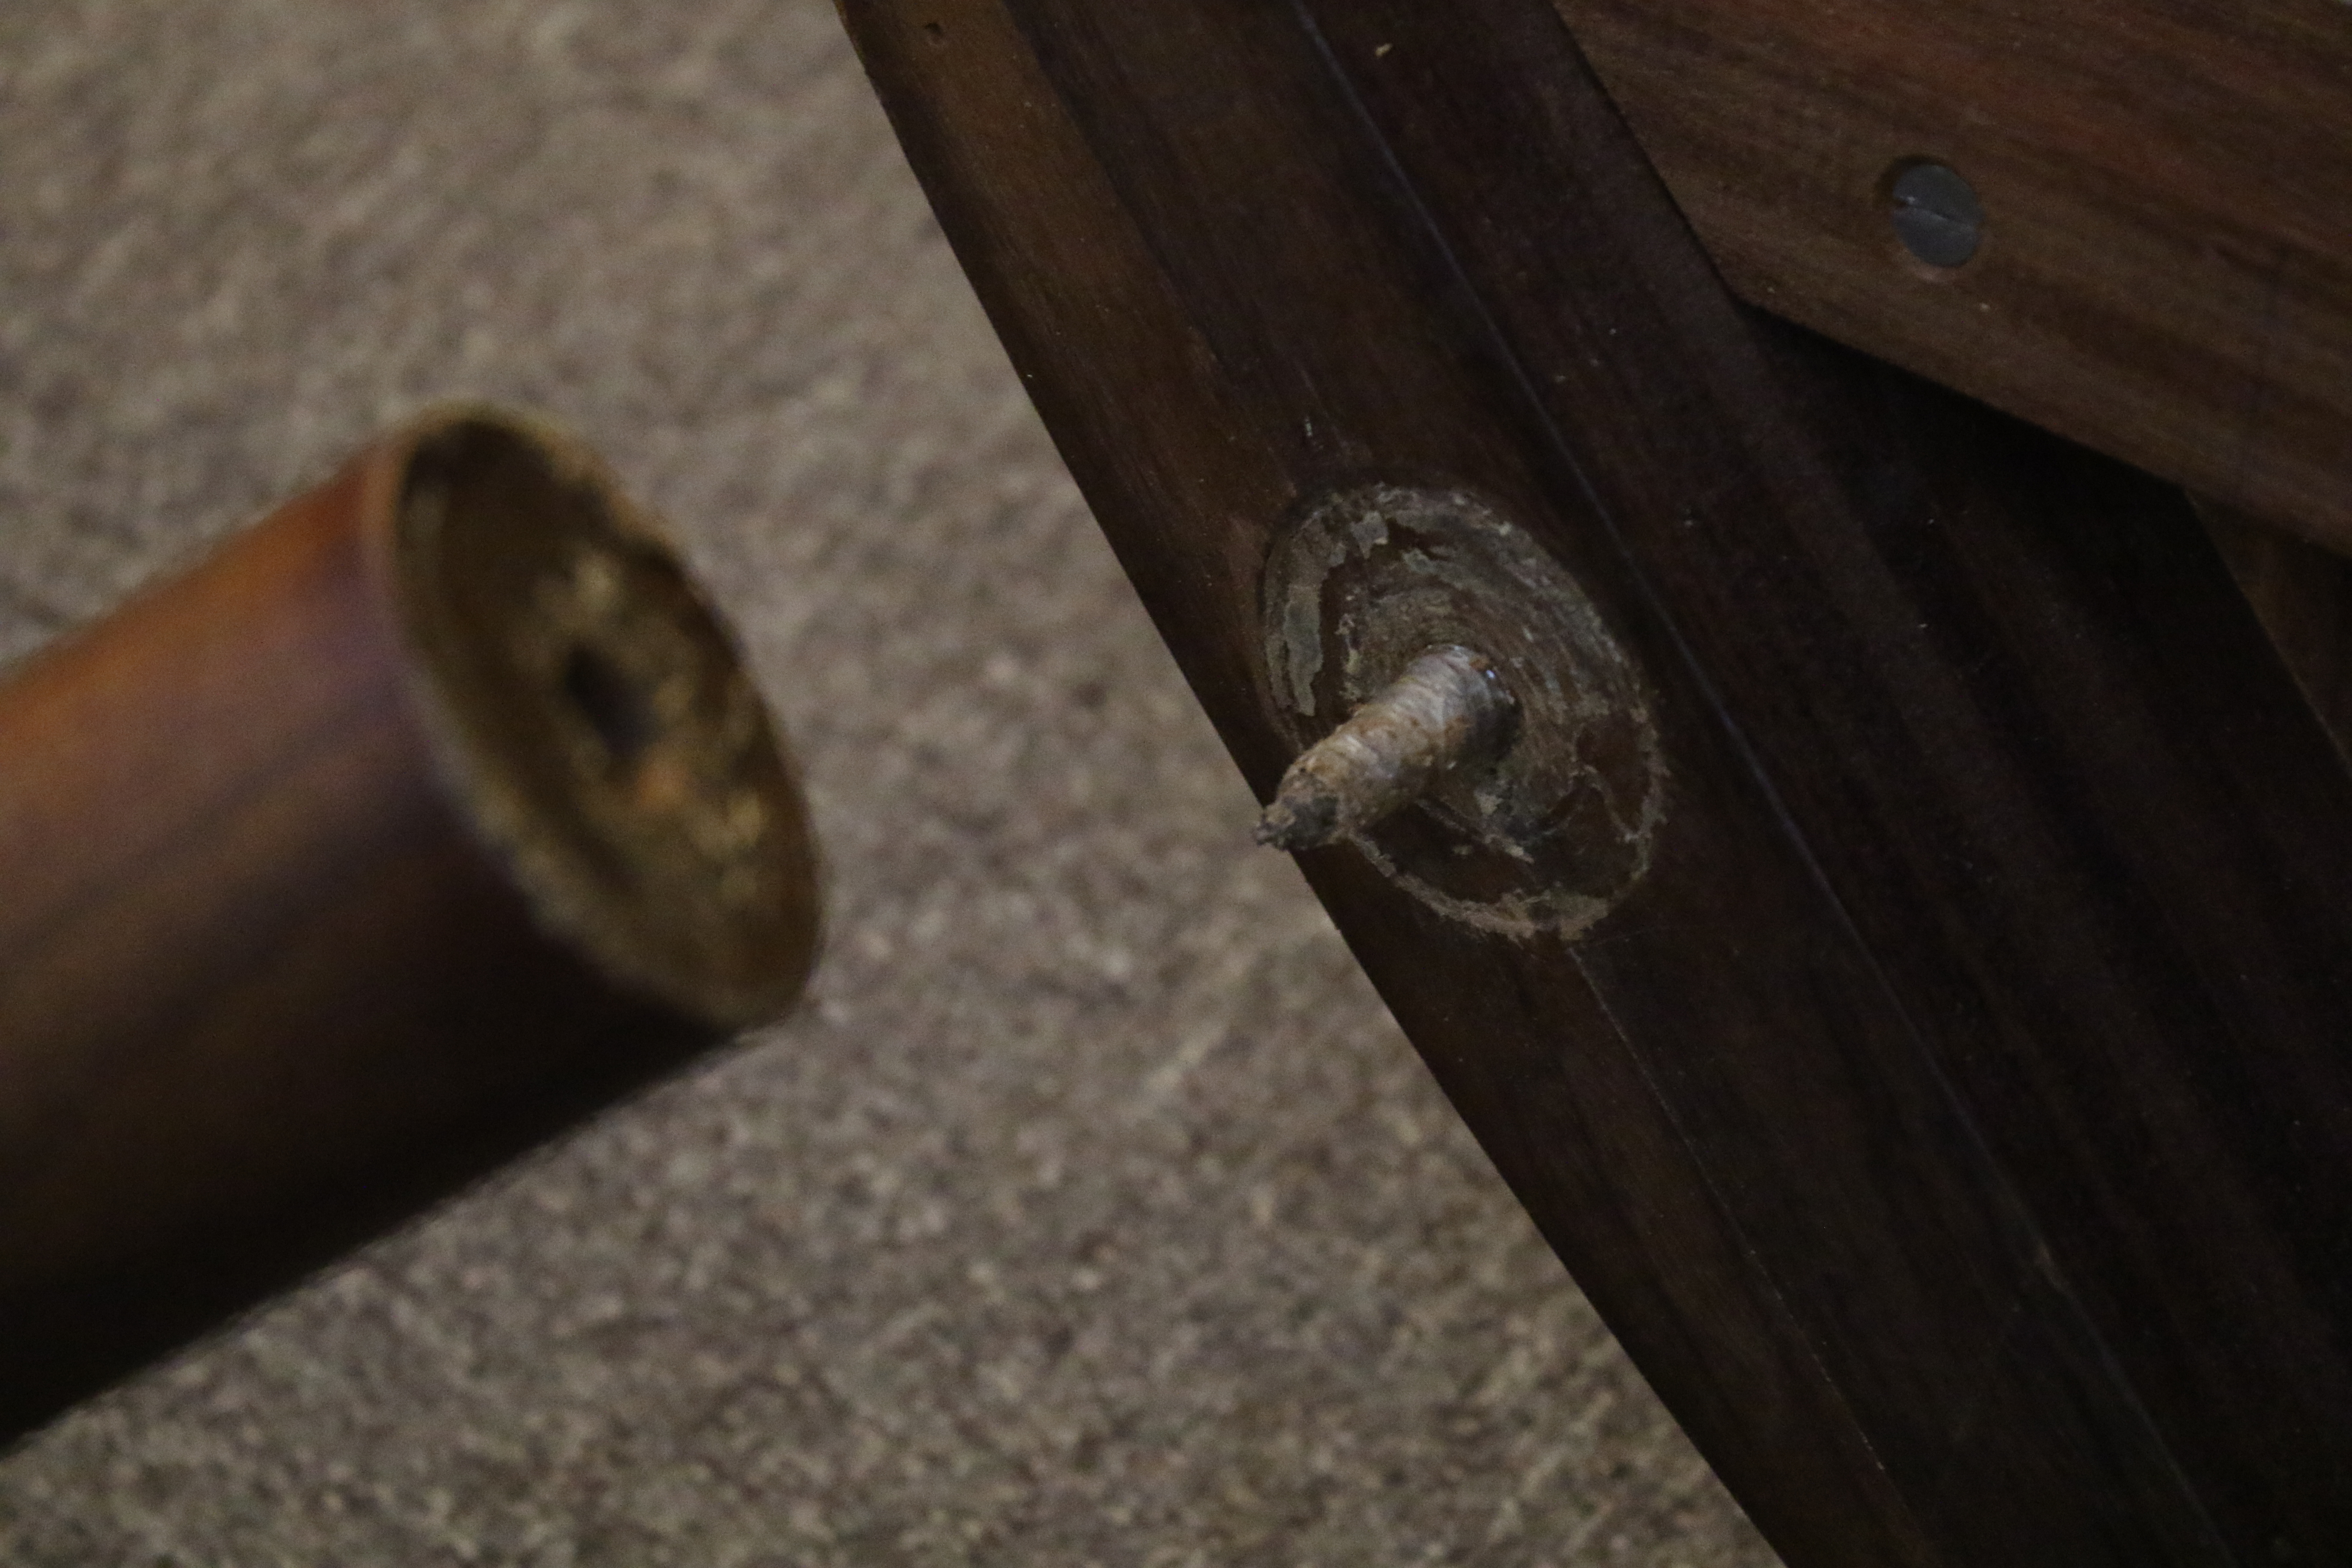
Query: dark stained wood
{"points": [[268, 984], [1955, 1124], [2167, 271], [2304, 596]]}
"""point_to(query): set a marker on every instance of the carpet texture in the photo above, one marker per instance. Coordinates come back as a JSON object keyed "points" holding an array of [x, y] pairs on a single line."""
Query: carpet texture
{"points": [[1092, 1211]]}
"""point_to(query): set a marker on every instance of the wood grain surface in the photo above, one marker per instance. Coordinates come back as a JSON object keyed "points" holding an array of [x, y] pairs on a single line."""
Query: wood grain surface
{"points": [[2167, 268], [1954, 1124], [266, 984]]}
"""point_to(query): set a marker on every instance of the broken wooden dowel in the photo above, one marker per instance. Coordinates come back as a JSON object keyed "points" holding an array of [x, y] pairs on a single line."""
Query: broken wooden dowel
{"points": [[1449, 709]]}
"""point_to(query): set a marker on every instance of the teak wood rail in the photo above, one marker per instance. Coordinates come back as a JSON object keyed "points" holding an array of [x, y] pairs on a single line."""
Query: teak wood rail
{"points": [[1952, 1112], [422, 820], [2165, 185]]}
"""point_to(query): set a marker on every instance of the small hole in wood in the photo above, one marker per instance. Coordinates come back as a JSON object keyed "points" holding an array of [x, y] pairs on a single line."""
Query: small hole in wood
{"points": [[617, 709], [936, 34]]}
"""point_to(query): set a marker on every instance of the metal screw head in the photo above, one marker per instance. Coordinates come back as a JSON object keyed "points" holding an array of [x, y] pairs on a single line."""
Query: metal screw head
{"points": [[1936, 214]]}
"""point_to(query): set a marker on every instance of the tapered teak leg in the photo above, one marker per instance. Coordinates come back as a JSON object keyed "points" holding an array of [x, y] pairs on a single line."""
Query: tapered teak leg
{"points": [[424, 818]]}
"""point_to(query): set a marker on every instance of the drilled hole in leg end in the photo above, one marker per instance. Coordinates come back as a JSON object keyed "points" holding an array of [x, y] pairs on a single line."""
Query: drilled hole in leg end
{"points": [[619, 713]]}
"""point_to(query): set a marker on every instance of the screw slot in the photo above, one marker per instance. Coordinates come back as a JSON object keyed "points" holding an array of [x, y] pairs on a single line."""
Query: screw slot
{"points": [[1936, 214]]}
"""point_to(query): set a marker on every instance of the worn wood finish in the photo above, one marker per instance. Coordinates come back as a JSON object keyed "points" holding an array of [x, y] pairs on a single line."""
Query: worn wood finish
{"points": [[270, 979], [1955, 1124], [2167, 268]]}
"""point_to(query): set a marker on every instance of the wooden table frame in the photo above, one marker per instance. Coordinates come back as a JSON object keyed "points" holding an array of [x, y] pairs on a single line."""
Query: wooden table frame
{"points": [[1954, 1124]]}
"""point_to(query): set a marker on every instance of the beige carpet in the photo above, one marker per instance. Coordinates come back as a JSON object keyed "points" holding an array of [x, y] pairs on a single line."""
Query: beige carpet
{"points": [[1093, 1211]]}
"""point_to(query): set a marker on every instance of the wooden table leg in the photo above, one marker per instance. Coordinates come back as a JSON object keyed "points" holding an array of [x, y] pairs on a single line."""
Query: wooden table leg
{"points": [[423, 819]]}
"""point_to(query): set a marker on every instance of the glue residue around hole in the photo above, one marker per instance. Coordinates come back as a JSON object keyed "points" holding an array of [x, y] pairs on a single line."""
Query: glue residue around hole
{"points": [[1552, 837]]}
